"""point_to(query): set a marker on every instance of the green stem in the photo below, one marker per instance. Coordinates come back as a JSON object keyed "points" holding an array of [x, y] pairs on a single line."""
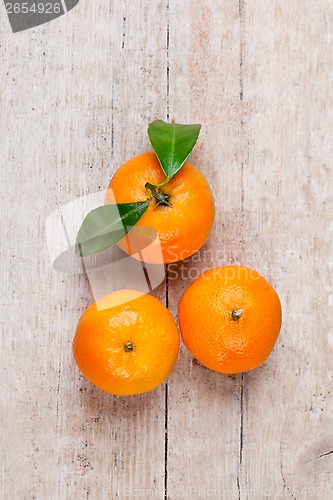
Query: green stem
{"points": [[163, 183]]}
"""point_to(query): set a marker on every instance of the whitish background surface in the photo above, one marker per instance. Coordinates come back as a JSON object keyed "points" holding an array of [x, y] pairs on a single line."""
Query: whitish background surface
{"points": [[76, 97]]}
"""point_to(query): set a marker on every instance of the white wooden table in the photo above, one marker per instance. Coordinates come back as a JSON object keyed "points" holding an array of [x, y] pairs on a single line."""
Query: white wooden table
{"points": [[76, 97]]}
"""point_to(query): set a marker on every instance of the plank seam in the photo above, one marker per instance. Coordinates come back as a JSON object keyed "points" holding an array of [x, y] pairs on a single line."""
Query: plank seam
{"points": [[166, 415], [241, 436], [241, 97]]}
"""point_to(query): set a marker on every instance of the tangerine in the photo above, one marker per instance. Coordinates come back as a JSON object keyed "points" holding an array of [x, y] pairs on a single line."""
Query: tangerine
{"points": [[181, 212], [126, 343], [230, 318]]}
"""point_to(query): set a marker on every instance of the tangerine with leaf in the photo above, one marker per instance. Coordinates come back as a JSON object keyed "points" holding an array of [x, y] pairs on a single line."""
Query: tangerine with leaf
{"points": [[160, 191]]}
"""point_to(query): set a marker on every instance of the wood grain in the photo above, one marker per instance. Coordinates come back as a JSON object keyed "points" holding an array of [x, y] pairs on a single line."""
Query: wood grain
{"points": [[287, 65], [204, 407], [76, 96]]}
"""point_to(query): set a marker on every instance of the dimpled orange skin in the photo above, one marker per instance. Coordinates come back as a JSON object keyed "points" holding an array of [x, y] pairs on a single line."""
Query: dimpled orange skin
{"points": [[182, 228], [105, 329], [211, 335]]}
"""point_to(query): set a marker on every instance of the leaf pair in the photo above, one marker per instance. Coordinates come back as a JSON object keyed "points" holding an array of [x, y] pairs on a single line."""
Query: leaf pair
{"points": [[106, 225]]}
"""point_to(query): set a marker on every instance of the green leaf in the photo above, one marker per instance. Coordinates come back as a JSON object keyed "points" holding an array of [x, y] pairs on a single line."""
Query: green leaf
{"points": [[172, 143], [106, 225]]}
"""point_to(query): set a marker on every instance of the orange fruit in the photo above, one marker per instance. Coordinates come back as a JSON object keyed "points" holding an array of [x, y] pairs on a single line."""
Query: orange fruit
{"points": [[126, 343], [230, 319], [183, 227]]}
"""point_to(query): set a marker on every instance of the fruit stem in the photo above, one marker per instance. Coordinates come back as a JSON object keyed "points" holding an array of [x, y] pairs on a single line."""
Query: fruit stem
{"points": [[236, 314], [162, 199], [129, 346]]}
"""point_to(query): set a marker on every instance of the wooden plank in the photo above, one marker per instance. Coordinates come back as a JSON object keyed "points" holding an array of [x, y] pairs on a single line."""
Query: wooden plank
{"points": [[204, 407], [287, 75], [76, 96]]}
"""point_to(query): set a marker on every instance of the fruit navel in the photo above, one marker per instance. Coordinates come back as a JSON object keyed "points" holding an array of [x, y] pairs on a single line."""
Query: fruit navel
{"points": [[236, 314], [129, 346]]}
